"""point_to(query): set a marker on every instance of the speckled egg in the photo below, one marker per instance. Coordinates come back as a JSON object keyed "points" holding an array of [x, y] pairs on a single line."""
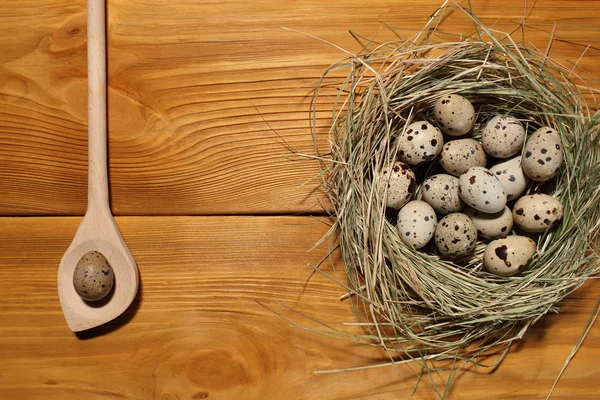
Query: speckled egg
{"points": [[503, 136], [399, 183], [491, 225], [480, 189], [441, 192], [543, 154], [511, 176], [458, 156], [455, 235], [537, 212], [416, 223], [507, 256], [93, 277], [420, 142], [455, 114]]}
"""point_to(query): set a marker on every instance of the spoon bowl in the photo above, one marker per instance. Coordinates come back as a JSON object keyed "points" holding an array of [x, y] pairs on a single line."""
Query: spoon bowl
{"points": [[98, 231]]}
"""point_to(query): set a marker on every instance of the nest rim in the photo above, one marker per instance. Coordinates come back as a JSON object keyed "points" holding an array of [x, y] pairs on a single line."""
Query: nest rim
{"points": [[419, 314]]}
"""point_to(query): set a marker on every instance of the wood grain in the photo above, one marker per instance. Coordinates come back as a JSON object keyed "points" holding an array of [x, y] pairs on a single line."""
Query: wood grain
{"points": [[196, 332], [196, 90]]}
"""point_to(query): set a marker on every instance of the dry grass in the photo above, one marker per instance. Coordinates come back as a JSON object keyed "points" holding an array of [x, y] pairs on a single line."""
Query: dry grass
{"points": [[414, 304]]}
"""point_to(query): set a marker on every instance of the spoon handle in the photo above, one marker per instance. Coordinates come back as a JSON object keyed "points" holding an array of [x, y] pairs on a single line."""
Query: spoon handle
{"points": [[97, 122]]}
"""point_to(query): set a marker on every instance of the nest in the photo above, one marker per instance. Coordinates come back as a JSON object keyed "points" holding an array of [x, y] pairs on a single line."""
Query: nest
{"points": [[418, 305]]}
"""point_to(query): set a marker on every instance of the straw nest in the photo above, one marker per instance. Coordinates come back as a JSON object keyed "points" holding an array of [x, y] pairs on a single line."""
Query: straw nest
{"points": [[417, 304]]}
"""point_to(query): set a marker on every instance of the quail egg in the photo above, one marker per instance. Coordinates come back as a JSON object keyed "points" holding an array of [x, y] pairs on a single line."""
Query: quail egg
{"points": [[399, 184], [511, 176], [455, 114], [503, 136], [455, 235], [416, 223], [507, 256], [420, 142], [491, 225], [480, 189], [441, 192], [537, 212], [458, 156], [93, 277], [543, 154]]}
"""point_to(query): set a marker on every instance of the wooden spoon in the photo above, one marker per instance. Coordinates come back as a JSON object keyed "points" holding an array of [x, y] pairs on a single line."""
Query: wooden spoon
{"points": [[98, 230]]}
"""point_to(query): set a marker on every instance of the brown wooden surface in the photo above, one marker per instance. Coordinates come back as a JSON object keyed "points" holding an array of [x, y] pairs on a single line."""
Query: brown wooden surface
{"points": [[190, 84], [195, 88], [196, 329]]}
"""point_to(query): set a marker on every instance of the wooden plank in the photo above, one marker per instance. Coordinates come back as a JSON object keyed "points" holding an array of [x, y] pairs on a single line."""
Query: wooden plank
{"points": [[196, 90], [196, 332]]}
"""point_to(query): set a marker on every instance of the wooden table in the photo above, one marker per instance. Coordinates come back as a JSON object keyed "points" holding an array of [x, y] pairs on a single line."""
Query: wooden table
{"points": [[215, 210]]}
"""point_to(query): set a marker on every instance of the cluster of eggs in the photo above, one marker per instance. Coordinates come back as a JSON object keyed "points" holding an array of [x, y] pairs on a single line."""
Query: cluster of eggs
{"points": [[471, 198]]}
